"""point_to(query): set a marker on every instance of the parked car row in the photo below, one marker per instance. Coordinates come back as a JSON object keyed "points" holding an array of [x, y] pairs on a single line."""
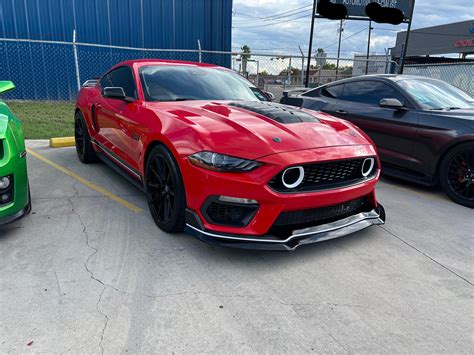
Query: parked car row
{"points": [[423, 128], [217, 159]]}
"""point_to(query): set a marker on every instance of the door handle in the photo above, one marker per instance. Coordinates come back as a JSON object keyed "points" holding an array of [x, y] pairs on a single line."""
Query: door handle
{"points": [[341, 112]]}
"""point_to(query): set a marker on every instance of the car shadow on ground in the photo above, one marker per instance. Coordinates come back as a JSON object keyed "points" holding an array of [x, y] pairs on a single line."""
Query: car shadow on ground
{"points": [[279, 259]]}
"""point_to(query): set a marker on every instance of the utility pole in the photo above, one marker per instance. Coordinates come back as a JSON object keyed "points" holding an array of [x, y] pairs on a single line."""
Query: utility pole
{"points": [[405, 47], [339, 47], [310, 49], [368, 48]]}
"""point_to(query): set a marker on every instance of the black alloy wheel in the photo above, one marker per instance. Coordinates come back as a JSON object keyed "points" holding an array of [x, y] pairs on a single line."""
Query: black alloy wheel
{"points": [[165, 190], [84, 148], [457, 174]]}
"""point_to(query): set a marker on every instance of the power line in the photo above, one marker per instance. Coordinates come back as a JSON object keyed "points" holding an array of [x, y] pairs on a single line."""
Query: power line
{"points": [[352, 35], [274, 23], [278, 15]]}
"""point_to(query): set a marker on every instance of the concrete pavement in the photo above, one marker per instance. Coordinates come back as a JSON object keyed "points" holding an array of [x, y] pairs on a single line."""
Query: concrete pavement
{"points": [[85, 274]]}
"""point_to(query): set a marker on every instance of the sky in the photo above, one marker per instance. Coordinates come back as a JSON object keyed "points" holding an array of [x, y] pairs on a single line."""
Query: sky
{"points": [[254, 25]]}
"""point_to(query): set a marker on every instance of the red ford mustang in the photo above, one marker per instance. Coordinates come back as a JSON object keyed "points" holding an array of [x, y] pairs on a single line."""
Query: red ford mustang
{"points": [[217, 159]]}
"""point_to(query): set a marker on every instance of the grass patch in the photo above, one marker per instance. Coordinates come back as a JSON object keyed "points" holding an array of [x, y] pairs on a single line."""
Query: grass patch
{"points": [[44, 119]]}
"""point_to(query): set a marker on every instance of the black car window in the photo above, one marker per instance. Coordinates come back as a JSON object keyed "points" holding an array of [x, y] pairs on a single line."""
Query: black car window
{"points": [[334, 91], [120, 77], [311, 93], [369, 92]]}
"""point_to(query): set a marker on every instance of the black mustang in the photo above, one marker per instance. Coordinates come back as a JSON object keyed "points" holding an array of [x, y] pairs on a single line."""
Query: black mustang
{"points": [[423, 128]]}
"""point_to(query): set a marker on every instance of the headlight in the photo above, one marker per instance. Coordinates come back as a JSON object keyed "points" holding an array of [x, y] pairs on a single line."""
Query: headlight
{"points": [[4, 183], [220, 162]]}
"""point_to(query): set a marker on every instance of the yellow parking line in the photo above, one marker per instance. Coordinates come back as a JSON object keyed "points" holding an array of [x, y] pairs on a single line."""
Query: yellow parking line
{"points": [[86, 182]]}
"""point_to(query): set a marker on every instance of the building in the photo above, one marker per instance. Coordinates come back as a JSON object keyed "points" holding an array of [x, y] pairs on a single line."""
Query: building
{"points": [[453, 38], [47, 71]]}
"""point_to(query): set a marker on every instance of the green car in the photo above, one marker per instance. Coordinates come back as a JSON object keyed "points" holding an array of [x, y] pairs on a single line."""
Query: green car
{"points": [[15, 199]]}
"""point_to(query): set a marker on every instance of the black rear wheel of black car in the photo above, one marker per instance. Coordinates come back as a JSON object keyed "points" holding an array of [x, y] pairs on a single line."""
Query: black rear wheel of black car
{"points": [[84, 148], [165, 190], [457, 174]]}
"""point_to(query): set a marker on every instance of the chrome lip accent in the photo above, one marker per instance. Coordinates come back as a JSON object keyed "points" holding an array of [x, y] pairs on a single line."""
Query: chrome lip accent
{"points": [[112, 156], [356, 222]]}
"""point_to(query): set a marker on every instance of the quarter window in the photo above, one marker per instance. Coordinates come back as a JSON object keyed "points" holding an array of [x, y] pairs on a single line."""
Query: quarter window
{"points": [[334, 92], [120, 77]]}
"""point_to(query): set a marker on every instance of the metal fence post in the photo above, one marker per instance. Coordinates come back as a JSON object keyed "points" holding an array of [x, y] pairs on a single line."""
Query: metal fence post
{"points": [[200, 51], [302, 66], [76, 60]]}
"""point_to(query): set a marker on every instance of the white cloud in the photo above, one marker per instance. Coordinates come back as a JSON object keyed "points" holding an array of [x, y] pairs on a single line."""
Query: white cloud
{"points": [[286, 36]]}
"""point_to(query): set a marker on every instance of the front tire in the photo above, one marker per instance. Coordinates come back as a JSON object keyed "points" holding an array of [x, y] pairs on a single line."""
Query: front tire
{"points": [[84, 149], [165, 190], [457, 174]]}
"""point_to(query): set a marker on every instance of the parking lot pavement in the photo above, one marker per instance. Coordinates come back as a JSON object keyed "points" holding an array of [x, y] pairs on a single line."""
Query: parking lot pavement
{"points": [[85, 273]]}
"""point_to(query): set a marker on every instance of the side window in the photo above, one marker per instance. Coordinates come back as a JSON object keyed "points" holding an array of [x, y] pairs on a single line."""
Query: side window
{"points": [[311, 93], [333, 92], [369, 92], [121, 77]]}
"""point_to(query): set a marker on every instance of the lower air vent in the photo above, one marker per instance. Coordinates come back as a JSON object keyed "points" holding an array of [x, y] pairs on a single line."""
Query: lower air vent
{"points": [[228, 214]]}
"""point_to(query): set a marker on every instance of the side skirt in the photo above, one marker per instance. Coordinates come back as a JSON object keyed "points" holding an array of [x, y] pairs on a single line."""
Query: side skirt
{"points": [[119, 166]]}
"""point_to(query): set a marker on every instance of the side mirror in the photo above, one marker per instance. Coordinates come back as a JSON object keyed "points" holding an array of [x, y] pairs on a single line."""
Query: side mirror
{"points": [[6, 86], [270, 95], [392, 103], [116, 93]]}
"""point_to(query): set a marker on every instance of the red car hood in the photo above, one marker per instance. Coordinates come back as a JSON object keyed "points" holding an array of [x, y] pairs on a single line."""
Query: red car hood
{"points": [[241, 132]]}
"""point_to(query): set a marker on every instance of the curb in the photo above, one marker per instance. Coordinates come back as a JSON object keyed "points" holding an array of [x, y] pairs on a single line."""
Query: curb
{"points": [[62, 142]]}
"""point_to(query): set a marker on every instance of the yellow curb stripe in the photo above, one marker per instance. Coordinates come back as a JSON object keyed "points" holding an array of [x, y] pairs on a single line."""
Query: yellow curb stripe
{"points": [[62, 142], [86, 182]]}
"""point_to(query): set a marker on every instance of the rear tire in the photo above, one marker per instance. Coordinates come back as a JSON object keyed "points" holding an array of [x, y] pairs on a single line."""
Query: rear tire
{"points": [[456, 174], [165, 190], [84, 149]]}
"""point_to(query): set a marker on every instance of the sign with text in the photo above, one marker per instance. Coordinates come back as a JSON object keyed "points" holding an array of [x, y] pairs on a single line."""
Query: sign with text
{"points": [[356, 9]]}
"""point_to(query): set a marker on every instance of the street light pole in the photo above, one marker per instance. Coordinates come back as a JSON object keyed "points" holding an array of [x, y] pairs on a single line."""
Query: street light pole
{"points": [[310, 49]]}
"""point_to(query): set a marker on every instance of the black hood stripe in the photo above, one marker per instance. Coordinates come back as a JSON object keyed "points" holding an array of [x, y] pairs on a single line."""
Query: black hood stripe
{"points": [[277, 112]]}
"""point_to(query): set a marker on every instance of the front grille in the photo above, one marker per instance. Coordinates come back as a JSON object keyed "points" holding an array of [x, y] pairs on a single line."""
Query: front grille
{"points": [[229, 214], [289, 221], [329, 175]]}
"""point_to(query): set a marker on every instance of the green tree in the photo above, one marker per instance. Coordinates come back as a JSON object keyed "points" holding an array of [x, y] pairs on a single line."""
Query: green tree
{"points": [[245, 52], [329, 66], [264, 72]]}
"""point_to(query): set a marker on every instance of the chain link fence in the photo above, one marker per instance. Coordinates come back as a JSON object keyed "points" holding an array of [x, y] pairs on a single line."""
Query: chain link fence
{"points": [[48, 70], [460, 75]]}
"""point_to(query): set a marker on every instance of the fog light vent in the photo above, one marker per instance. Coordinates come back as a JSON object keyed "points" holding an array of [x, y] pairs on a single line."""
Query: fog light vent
{"points": [[229, 211]]}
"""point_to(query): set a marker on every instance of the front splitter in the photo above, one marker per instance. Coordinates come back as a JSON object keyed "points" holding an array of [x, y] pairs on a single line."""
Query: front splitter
{"points": [[297, 238]]}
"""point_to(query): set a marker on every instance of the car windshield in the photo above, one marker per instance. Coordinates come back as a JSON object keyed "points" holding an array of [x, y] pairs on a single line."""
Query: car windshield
{"points": [[436, 95], [180, 83]]}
